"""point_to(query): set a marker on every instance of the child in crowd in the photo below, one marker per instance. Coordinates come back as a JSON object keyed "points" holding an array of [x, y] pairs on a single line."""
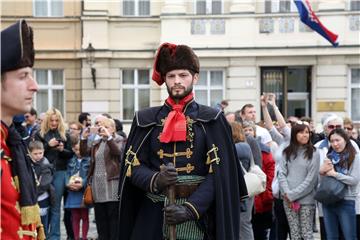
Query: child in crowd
{"points": [[77, 171], [44, 175]]}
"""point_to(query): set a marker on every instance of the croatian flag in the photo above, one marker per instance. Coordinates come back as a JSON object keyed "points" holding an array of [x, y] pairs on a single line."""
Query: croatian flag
{"points": [[309, 18]]}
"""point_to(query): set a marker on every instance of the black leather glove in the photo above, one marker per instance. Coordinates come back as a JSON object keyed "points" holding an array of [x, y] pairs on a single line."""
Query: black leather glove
{"points": [[176, 214], [166, 177]]}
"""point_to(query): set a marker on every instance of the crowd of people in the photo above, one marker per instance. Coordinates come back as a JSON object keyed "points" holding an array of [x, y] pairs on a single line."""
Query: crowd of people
{"points": [[179, 174], [66, 157], [299, 158], [292, 155]]}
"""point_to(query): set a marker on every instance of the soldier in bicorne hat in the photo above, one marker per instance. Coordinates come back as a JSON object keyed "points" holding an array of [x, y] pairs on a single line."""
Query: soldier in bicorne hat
{"points": [[20, 214], [184, 147]]}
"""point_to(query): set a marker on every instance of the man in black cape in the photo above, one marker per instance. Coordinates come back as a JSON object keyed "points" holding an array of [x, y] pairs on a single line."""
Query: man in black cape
{"points": [[185, 147]]}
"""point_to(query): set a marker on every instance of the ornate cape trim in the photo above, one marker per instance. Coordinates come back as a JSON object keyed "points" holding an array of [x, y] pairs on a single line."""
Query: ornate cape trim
{"points": [[152, 190], [214, 150], [133, 162]]}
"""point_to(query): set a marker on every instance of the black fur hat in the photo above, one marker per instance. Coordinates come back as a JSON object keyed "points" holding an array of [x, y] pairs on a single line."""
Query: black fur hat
{"points": [[170, 57], [17, 47]]}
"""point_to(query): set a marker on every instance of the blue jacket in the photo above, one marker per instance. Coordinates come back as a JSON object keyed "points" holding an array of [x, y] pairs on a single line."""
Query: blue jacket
{"points": [[74, 199]]}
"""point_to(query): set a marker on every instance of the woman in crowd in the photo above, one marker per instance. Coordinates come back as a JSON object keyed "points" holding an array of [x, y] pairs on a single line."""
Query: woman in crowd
{"points": [[298, 176], [105, 151], [58, 151], [331, 122], [244, 155], [342, 163]]}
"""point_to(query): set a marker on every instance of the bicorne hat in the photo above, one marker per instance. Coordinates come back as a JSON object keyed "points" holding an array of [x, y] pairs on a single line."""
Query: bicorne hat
{"points": [[17, 48], [170, 57]]}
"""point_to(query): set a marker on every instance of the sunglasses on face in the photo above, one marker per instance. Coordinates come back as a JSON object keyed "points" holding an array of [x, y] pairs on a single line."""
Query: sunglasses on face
{"points": [[333, 126]]}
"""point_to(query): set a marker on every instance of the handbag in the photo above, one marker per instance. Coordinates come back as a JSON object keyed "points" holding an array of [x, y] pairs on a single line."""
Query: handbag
{"points": [[330, 190], [255, 179], [88, 196]]}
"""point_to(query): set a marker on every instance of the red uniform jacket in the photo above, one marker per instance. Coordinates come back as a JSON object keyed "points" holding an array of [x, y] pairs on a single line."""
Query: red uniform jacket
{"points": [[11, 228]]}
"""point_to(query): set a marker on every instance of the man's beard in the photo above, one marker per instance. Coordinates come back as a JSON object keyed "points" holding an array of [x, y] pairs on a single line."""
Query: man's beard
{"points": [[176, 96]]}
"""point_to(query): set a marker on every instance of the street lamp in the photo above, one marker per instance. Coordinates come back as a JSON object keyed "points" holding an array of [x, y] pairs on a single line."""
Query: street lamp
{"points": [[90, 58]]}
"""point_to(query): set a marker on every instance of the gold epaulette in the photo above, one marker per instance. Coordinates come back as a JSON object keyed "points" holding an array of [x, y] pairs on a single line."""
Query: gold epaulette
{"points": [[30, 214]]}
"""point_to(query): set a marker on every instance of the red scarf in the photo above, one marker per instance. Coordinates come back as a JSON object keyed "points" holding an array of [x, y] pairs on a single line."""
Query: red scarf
{"points": [[175, 124]]}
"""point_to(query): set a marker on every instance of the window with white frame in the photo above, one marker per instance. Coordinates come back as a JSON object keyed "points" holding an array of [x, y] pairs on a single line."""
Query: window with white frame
{"points": [[209, 90], [204, 7], [355, 94], [135, 91], [48, 8], [282, 6], [136, 7], [51, 89], [354, 5]]}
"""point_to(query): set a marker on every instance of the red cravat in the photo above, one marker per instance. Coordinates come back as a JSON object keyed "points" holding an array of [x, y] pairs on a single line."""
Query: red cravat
{"points": [[175, 124]]}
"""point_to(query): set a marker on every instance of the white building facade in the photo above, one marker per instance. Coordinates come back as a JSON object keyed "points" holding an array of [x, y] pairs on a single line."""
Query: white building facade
{"points": [[245, 48]]}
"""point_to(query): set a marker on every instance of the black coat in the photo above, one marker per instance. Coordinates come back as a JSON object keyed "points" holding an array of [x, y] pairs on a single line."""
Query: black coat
{"points": [[226, 184], [55, 157], [44, 174]]}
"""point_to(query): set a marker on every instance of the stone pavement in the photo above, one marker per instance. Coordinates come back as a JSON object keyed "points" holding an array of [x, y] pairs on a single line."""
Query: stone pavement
{"points": [[92, 234]]}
